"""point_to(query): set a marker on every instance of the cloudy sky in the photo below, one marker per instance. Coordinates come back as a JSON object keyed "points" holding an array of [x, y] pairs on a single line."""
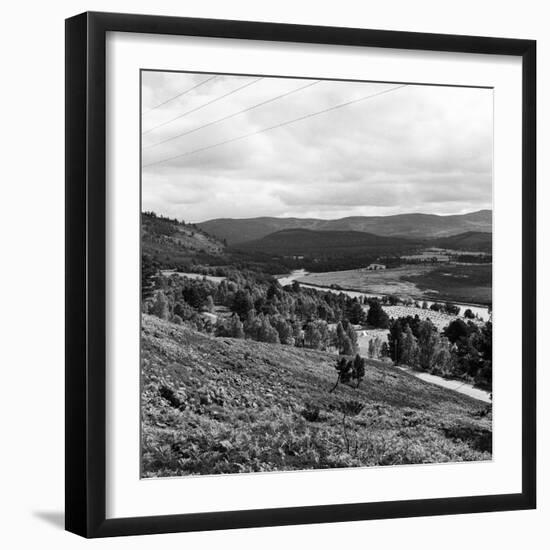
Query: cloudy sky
{"points": [[378, 148]]}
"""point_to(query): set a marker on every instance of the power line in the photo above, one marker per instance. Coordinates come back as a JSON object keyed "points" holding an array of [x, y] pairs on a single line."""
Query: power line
{"points": [[203, 105], [181, 94], [232, 115], [280, 125]]}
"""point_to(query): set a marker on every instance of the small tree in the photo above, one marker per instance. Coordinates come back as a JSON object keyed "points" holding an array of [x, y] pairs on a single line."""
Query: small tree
{"points": [[408, 348], [374, 349], [267, 333], [312, 336], [209, 304], [469, 314], [356, 313], [371, 348], [451, 309], [347, 346], [149, 270], [352, 335], [358, 369], [235, 327], [346, 339], [344, 369], [242, 303], [348, 370]]}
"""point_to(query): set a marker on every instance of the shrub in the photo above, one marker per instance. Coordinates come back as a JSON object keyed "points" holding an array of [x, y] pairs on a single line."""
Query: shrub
{"points": [[469, 314], [311, 412]]}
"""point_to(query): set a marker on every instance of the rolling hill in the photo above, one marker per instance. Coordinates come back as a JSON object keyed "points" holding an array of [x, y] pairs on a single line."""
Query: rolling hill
{"points": [[474, 241], [307, 242], [417, 226], [171, 242], [224, 405]]}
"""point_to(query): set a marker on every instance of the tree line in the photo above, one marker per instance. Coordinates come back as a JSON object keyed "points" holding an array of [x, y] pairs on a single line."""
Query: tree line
{"points": [[461, 350]]}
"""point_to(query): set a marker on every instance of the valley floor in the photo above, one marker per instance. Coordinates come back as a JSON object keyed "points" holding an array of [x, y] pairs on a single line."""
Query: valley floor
{"points": [[222, 405], [459, 283]]}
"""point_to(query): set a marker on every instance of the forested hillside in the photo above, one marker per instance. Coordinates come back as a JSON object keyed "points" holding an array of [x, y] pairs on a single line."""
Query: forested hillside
{"points": [[170, 242], [334, 243]]}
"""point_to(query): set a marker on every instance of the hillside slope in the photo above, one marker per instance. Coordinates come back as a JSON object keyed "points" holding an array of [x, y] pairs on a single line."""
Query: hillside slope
{"points": [[171, 242], [222, 405], [341, 243], [418, 226], [470, 240]]}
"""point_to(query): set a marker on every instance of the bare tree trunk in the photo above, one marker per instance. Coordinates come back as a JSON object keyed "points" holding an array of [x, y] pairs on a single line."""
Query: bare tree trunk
{"points": [[334, 387]]}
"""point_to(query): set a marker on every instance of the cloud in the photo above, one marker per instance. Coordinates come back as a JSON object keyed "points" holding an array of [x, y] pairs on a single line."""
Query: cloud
{"points": [[418, 148]]}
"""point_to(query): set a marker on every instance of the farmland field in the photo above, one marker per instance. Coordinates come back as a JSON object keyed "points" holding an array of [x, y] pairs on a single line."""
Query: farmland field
{"points": [[453, 282], [463, 283], [388, 281]]}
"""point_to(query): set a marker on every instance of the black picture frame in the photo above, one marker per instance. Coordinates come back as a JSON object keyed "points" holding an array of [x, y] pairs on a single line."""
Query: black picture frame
{"points": [[86, 263]]}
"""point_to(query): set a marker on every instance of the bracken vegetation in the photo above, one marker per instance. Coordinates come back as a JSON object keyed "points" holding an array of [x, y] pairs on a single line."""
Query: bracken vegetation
{"points": [[225, 405]]}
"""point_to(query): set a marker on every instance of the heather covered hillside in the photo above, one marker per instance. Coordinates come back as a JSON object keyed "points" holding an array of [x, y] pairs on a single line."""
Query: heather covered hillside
{"points": [[223, 405]]}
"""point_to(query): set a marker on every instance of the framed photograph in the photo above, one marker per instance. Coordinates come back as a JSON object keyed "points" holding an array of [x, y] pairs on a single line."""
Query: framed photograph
{"points": [[300, 279]]}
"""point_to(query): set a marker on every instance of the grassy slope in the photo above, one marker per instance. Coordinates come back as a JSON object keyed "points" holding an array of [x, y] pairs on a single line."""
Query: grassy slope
{"points": [[220, 405]]}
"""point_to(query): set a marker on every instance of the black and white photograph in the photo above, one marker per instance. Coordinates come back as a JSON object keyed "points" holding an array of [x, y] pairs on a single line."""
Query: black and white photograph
{"points": [[255, 253], [316, 274]]}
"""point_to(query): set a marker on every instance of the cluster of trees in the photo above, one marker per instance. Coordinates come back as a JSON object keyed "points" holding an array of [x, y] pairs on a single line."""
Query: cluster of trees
{"points": [[472, 348], [348, 370], [462, 350], [259, 308], [447, 307], [377, 348]]}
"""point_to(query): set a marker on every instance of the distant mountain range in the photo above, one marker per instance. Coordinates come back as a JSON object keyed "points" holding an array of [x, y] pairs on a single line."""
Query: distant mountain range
{"points": [[291, 242], [412, 226]]}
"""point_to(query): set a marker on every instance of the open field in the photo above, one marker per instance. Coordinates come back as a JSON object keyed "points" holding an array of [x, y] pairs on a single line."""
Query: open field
{"points": [[223, 405], [453, 282], [463, 283], [387, 281]]}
